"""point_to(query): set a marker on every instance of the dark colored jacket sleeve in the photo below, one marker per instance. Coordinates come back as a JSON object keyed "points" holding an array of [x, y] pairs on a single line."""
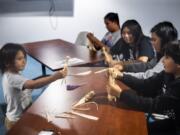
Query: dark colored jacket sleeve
{"points": [[151, 105], [146, 87], [140, 66], [157, 104], [136, 83]]}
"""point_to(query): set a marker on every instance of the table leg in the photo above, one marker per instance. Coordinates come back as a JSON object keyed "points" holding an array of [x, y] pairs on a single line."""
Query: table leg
{"points": [[43, 70]]}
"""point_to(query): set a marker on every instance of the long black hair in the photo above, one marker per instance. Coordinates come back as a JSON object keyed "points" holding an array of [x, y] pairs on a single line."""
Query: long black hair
{"points": [[166, 32], [8, 54], [135, 30], [172, 49]]}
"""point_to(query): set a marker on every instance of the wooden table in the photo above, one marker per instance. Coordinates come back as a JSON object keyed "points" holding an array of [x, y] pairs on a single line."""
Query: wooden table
{"points": [[50, 53], [114, 118]]}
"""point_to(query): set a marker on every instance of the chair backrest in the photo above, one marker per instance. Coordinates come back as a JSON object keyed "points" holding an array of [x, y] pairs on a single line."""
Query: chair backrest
{"points": [[84, 41]]}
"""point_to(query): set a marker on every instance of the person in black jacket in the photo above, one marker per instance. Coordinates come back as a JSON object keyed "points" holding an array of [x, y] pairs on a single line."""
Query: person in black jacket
{"points": [[158, 94]]}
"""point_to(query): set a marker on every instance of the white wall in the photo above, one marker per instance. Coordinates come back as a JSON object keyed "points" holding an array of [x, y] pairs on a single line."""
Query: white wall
{"points": [[88, 15]]}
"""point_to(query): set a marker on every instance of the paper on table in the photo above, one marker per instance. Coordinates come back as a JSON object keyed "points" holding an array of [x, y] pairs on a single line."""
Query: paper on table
{"points": [[100, 71], [71, 62], [85, 73], [160, 116], [81, 73], [46, 133], [85, 115]]}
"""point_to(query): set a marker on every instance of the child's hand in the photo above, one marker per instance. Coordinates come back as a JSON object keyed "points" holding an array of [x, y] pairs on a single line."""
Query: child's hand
{"points": [[64, 71]]}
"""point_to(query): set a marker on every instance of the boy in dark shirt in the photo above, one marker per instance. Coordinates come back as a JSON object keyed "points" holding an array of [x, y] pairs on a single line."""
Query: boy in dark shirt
{"points": [[158, 94]]}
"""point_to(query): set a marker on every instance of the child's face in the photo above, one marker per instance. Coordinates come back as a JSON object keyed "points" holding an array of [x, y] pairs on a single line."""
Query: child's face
{"points": [[20, 61], [169, 65]]}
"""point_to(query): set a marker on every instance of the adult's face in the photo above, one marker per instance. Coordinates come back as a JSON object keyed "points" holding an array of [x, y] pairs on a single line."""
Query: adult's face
{"points": [[110, 26], [127, 35], [156, 41]]}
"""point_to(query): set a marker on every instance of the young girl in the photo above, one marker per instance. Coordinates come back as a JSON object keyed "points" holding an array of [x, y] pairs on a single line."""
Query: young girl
{"points": [[12, 61], [133, 45], [158, 94]]}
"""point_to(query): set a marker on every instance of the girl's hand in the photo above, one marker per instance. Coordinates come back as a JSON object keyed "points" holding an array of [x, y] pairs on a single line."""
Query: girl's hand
{"points": [[64, 71]]}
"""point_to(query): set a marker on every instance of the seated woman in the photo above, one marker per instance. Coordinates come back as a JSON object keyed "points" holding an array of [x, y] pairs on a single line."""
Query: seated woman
{"points": [[158, 94], [111, 21], [133, 45]]}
